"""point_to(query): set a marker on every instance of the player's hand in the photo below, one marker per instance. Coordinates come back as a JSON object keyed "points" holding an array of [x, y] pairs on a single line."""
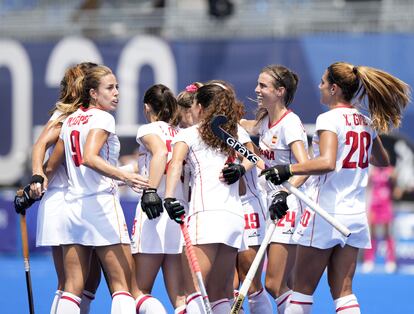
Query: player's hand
{"points": [[37, 184], [277, 174], [136, 182], [174, 209], [233, 172], [278, 207], [151, 203], [22, 200]]}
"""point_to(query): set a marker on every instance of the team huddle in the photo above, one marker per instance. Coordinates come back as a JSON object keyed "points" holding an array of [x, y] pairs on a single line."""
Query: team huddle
{"points": [[204, 210]]}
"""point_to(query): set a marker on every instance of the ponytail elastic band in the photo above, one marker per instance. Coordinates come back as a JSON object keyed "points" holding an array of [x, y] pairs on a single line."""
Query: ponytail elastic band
{"points": [[355, 70]]}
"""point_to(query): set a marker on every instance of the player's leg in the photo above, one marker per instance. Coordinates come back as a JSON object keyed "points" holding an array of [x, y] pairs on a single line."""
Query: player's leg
{"points": [[281, 260], [369, 254], [390, 264], [341, 270], [91, 284], [76, 264], [221, 273], [173, 279], [258, 299], [146, 270], [116, 262], [57, 255], [194, 299], [310, 264]]}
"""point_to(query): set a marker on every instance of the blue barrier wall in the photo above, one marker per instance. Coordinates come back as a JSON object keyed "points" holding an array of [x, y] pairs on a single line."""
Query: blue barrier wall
{"points": [[30, 74]]}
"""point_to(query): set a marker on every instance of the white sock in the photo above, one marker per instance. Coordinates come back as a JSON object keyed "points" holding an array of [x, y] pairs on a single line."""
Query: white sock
{"points": [[259, 303], [68, 304], [194, 303], [55, 302], [147, 304], [347, 305], [299, 304], [180, 310], [87, 298], [221, 306], [122, 302], [282, 301]]}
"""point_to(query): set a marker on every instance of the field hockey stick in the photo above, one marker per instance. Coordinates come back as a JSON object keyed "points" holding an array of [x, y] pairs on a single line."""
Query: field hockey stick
{"points": [[219, 120], [25, 246], [252, 270], [195, 267]]}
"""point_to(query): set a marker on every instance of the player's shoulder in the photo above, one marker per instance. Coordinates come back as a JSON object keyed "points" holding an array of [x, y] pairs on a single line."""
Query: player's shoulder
{"points": [[291, 117], [188, 133]]}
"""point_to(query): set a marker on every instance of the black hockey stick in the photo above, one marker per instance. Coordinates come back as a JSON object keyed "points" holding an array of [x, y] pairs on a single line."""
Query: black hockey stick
{"points": [[226, 137], [25, 246]]}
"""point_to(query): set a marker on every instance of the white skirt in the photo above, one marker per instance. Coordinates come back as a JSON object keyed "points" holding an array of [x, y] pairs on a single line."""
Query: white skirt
{"points": [[96, 220], [314, 231], [157, 236], [255, 214], [216, 226], [286, 226], [50, 217]]}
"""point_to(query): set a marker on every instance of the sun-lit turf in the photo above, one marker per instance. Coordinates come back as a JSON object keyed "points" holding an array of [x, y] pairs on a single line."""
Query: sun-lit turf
{"points": [[377, 292]]}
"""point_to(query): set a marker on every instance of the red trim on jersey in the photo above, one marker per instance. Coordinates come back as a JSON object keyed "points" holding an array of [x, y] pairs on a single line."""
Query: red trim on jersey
{"points": [[284, 300], [346, 307], [142, 300], [280, 119], [84, 109], [65, 297]]}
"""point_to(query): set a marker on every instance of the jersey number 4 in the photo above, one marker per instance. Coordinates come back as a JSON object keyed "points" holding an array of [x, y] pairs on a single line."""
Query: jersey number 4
{"points": [[359, 143], [75, 147]]}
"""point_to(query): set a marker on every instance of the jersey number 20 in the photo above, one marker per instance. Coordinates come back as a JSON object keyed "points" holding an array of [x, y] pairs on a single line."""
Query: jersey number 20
{"points": [[360, 143]]}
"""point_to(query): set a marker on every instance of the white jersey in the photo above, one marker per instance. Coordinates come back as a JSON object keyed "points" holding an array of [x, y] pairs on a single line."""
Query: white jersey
{"points": [[51, 213], [342, 191], [275, 140], [208, 193], [160, 235], [60, 178], [166, 132], [253, 201], [274, 144], [84, 181]]}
